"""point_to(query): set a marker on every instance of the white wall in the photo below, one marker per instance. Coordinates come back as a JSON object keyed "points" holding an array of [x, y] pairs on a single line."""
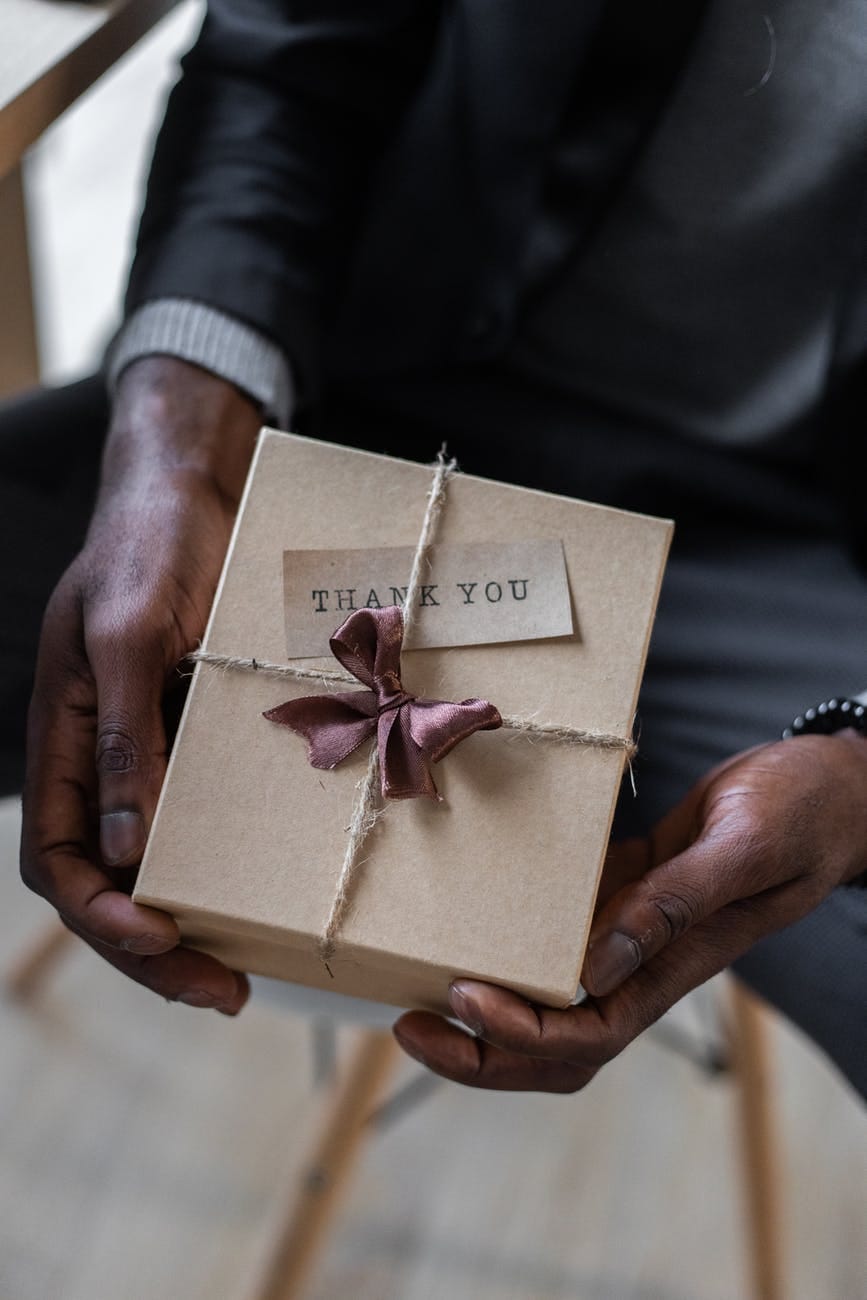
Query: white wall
{"points": [[85, 182]]}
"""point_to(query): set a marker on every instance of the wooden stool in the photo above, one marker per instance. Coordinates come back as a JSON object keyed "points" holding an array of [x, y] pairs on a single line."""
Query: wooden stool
{"points": [[359, 1088], [325, 1175], [19, 352], [759, 1154], [36, 961]]}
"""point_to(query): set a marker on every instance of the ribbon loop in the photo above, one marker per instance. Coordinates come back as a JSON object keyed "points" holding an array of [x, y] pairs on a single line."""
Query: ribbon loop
{"points": [[368, 645], [410, 733]]}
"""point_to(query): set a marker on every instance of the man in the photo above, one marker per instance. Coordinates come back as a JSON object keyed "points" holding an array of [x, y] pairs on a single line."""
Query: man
{"points": [[602, 252]]}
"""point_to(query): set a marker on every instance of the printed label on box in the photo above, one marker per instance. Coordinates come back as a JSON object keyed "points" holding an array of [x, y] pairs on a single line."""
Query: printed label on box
{"points": [[472, 594]]}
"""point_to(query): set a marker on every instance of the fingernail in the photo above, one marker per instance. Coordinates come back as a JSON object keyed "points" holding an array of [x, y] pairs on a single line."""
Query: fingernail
{"points": [[410, 1047], [121, 835], [145, 943], [200, 998], [231, 1005], [611, 960], [465, 1007]]}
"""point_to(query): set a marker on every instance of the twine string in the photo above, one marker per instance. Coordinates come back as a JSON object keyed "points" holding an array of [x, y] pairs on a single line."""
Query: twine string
{"points": [[435, 501], [365, 813], [325, 676], [367, 809], [552, 731]]}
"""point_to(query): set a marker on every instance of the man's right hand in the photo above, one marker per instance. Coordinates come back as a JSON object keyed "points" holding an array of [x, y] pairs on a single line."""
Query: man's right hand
{"points": [[132, 604]]}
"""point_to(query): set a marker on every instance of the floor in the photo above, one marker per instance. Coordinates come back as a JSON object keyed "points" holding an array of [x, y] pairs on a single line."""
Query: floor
{"points": [[149, 1150]]}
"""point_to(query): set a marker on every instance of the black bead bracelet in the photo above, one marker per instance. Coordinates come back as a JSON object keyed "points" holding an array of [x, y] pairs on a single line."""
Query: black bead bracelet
{"points": [[829, 716]]}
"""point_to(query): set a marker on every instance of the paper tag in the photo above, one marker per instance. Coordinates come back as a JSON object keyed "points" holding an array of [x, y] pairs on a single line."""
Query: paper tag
{"points": [[472, 594]]}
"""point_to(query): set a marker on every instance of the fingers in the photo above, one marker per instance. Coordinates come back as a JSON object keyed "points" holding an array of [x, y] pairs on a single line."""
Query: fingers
{"points": [[516, 1045], [183, 975], [754, 862], [453, 1054], [140, 941], [58, 856], [118, 621], [519, 1046], [655, 911], [625, 861], [130, 740]]}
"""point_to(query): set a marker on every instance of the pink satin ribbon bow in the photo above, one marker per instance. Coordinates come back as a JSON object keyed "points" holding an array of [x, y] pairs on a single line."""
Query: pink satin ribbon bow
{"points": [[410, 732]]}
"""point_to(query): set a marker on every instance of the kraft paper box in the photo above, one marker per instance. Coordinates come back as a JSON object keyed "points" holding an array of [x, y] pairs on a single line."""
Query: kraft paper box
{"points": [[498, 880]]}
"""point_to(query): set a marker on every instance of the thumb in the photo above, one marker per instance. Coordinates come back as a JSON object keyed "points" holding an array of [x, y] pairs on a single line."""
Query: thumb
{"points": [[130, 746], [647, 916]]}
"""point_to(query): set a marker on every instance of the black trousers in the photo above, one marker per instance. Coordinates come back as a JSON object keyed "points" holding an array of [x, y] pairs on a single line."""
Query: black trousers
{"points": [[763, 609]]}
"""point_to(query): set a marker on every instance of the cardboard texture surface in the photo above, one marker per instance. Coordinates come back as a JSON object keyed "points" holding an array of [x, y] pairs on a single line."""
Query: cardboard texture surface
{"points": [[498, 881]]}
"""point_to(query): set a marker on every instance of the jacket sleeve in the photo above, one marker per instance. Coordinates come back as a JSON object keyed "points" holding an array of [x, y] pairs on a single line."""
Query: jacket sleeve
{"points": [[260, 168], [207, 338]]}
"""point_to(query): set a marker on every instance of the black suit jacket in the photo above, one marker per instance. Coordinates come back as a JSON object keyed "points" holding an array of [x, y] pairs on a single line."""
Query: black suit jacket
{"points": [[360, 180]]}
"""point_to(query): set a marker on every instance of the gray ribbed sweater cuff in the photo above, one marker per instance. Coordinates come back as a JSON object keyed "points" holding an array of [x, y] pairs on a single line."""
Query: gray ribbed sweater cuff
{"points": [[205, 337]]}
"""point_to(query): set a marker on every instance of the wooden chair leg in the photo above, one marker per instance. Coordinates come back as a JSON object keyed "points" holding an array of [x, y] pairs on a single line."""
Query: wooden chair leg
{"points": [[759, 1153], [32, 966], [323, 1179], [19, 354]]}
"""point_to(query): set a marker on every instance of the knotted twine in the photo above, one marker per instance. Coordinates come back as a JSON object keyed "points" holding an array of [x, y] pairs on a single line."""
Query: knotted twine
{"points": [[367, 810]]}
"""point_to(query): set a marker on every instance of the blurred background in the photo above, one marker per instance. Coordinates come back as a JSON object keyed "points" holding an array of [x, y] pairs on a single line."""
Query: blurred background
{"points": [[84, 179], [151, 1149]]}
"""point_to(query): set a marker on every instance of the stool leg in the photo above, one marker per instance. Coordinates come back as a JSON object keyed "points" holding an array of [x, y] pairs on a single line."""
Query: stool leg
{"points": [[37, 960], [19, 356], [326, 1174], [758, 1141]]}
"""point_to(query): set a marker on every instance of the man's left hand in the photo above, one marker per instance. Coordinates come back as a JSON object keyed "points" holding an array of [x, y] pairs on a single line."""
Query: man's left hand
{"points": [[756, 845]]}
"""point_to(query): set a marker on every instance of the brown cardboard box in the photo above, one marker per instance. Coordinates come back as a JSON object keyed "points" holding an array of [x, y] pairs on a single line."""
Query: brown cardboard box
{"points": [[496, 882]]}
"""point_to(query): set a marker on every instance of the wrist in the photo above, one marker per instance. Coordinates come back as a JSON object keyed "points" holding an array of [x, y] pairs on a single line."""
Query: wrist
{"points": [[171, 420], [853, 748], [839, 725]]}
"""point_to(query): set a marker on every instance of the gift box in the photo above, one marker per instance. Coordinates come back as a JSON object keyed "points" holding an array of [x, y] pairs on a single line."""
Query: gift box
{"points": [[539, 604]]}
